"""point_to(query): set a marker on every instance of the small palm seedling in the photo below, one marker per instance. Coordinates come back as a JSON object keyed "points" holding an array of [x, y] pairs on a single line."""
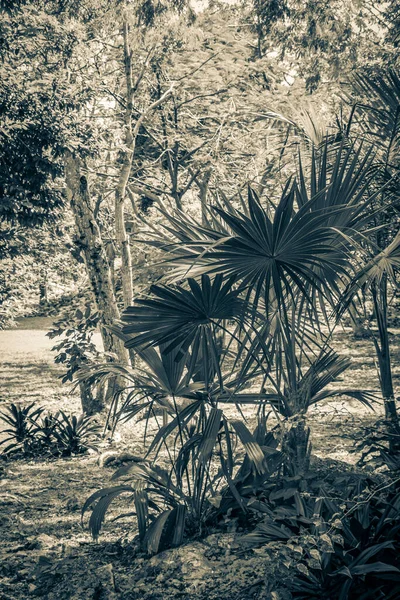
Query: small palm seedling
{"points": [[21, 428], [75, 435]]}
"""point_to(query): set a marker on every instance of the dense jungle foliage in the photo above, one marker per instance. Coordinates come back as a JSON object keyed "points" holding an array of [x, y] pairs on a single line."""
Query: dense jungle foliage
{"points": [[214, 187]]}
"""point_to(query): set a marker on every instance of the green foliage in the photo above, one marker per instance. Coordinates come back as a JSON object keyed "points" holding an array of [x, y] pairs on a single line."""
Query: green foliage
{"points": [[379, 445], [274, 267], [36, 110], [21, 428], [322, 42], [339, 550], [170, 505], [76, 348], [32, 434], [72, 434]]}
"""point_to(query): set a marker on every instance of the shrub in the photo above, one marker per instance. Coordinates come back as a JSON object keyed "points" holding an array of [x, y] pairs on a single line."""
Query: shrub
{"points": [[56, 434], [346, 550], [22, 428]]}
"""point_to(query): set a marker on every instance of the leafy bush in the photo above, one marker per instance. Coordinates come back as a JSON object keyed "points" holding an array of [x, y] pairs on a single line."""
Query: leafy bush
{"points": [[22, 428], [56, 434], [74, 435], [76, 348], [345, 550]]}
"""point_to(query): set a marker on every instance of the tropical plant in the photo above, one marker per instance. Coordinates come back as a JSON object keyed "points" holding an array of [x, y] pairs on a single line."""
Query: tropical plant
{"points": [[45, 434], [74, 434], [181, 501], [21, 428], [376, 276], [351, 553], [56, 434], [275, 270], [373, 98], [283, 265], [375, 114]]}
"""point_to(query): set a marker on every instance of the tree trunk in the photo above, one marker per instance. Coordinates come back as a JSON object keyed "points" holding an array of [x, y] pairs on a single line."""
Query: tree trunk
{"points": [[382, 348], [122, 238], [296, 448], [203, 189], [120, 229], [91, 404], [94, 255], [357, 324], [42, 292]]}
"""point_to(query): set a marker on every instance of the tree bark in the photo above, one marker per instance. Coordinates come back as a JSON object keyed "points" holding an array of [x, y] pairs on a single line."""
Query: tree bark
{"points": [[94, 254], [131, 134], [91, 404], [120, 229], [296, 448], [203, 189]]}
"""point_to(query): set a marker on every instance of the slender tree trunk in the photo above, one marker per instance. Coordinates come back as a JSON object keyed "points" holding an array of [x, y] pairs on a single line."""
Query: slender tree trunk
{"points": [[383, 350], [110, 253], [131, 134], [43, 291], [120, 229], [94, 254], [203, 189]]}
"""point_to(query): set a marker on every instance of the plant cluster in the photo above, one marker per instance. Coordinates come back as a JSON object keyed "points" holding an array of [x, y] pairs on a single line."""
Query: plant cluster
{"points": [[252, 287], [243, 317], [336, 548], [31, 432]]}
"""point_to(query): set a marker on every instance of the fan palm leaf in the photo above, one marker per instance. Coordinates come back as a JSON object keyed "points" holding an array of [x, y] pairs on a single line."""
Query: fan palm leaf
{"points": [[179, 318], [302, 245]]}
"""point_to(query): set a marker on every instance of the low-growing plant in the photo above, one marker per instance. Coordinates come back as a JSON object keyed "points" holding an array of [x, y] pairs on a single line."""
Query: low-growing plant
{"points": [[57, 434], [21, 428], [339, 550], [379, 444], [45, 433], [75, 434], [206, 477]]}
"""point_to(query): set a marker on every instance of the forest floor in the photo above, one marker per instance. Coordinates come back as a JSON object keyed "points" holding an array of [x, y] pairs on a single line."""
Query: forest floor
{"points": [[44, 550]]}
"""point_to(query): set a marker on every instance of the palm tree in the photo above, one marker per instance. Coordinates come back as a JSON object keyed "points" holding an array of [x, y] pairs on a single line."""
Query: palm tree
{"points": [[375, 116], [278, 270]]}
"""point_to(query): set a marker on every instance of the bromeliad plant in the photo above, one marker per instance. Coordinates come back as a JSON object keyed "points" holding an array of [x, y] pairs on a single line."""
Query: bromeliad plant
{"points": [[33, 434], [21, 428], [74, 434]]}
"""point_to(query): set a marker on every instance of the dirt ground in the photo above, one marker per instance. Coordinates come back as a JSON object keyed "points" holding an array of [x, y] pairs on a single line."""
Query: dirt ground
{"points": [[45, 551]]}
